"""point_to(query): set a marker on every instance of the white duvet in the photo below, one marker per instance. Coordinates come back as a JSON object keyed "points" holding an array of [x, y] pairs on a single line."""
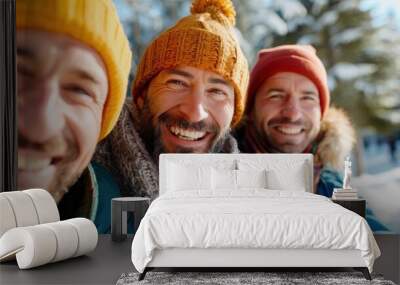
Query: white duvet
{"points": [[256, 218]]}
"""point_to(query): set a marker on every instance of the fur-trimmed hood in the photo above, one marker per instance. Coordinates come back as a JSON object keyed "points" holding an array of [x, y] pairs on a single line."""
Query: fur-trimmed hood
{"points": [[337, 138]]}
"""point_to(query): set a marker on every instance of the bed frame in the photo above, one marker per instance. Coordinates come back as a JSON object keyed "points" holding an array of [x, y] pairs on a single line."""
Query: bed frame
{"points": [[250, 259], [234, 259]]}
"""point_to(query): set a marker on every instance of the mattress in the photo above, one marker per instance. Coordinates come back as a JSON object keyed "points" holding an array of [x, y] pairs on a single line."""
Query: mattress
{"points": [[251, 219]]}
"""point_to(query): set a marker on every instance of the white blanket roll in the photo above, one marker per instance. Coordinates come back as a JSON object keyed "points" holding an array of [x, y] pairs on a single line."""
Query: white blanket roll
{"points": [[7, 218], [23, 208], [45, 205], [26, 208], [40, 244]]}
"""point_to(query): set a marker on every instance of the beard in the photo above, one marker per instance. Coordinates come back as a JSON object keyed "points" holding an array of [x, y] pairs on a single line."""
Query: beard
{"points": [[65, 175], [270, 143], [151, 133]]}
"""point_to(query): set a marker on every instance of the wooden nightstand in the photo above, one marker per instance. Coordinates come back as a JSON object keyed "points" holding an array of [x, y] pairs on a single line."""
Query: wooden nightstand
{"points": [[356, 205]]}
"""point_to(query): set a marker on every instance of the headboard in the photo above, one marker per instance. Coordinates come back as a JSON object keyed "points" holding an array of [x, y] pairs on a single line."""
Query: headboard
{"points": [[284, 164]]}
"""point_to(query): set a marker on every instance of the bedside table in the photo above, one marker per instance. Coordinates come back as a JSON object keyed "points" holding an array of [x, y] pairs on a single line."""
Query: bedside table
{"points": [[119, 208], [356, 205]]}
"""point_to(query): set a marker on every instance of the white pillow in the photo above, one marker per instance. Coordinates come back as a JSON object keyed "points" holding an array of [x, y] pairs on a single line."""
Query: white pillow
{"points": [[281, 180], [281, 174], [251, 178], [183, 177], [224, 179]]}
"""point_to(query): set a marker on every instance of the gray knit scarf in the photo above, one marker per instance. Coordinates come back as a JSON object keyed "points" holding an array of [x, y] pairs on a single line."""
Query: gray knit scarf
{"points": [[124, 154]]}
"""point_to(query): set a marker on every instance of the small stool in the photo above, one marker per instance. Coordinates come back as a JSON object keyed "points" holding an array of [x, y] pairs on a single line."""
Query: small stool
{"points": [[119, 208]]}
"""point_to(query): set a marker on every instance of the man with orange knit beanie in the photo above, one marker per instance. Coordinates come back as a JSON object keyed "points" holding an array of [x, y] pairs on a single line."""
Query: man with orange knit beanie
{"points": [[287, 111], [72, 76], [188, 93]]}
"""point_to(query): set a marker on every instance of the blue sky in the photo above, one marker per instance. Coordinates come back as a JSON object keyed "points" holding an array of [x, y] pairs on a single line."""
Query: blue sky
{"points": [[382, 10]]}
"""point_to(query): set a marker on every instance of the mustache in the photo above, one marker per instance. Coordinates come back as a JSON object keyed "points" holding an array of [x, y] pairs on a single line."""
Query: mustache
{"points": [[216, 146], [201, 126], [288, 121], [58, 145]]}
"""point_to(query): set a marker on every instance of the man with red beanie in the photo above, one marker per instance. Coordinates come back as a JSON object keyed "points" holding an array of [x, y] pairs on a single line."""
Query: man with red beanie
{"points": [[287, 111]]}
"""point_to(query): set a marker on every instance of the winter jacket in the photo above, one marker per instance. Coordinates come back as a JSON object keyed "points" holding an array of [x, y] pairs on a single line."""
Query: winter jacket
{"points": [[90, 197], [125, 155]]}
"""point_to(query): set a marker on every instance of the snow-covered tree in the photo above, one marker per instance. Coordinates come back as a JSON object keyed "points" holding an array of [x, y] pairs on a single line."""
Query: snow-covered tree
{"points": [[361, 58], [257, 21]]}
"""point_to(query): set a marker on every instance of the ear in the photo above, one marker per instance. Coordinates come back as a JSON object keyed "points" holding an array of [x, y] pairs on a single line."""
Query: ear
{"points": [[140, 99], [140, 103], [250, 117]]}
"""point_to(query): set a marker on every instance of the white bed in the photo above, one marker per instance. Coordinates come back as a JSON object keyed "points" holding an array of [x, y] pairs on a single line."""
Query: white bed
{"points": [[242, 210]]}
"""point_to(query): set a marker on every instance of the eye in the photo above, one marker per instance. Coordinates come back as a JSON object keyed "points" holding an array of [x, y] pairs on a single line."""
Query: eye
{"points": [[309, 97], [218, 94], [274, 95], [76, 89], [176, 84]]}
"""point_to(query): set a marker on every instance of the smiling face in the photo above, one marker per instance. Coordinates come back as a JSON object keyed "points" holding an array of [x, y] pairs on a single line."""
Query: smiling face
{"points": [[287, 112], [62, 88], [190, 109]]}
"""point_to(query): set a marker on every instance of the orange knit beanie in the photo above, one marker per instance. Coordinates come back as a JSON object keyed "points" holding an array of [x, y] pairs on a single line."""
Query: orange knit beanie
{"points": [[301, 59], [204, 40]]}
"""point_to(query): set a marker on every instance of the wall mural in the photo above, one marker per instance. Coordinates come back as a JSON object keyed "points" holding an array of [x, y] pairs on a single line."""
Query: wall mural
{"points": [[98, 102]]}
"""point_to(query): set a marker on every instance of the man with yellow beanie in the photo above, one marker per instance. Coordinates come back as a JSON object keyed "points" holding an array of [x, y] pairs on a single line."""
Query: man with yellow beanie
{"points": [[189, 91], [73, 61]]}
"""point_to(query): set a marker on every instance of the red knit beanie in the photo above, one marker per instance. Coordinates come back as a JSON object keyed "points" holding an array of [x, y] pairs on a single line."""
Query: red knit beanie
{"points": [[301, 59]]}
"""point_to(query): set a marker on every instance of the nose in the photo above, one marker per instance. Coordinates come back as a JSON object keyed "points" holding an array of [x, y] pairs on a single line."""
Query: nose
{"points": [[40, 114], [291, 108], [193, 108]]}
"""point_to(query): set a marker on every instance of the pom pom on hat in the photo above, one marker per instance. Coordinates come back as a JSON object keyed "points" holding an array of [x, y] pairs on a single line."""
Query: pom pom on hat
{"points": [[216, 8]]}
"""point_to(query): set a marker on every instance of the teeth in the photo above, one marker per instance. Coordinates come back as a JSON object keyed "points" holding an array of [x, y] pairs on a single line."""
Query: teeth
{"points": [[290, 131], [31, 163], [186, 134]]}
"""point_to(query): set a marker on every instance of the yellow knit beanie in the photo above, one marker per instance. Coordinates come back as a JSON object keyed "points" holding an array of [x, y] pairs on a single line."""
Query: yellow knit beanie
{"points": [[205, 40], [95, 23]]}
